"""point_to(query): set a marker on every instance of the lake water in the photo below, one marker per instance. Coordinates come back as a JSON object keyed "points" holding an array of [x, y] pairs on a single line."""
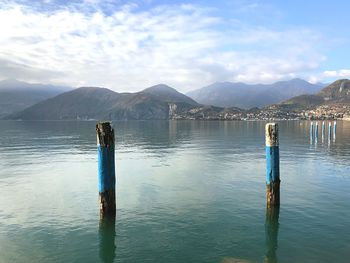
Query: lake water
{"points": [[187, 191]]}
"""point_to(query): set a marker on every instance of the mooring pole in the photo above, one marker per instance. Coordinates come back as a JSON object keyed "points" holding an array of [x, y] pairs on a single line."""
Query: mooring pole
{"points": [[106, 168], [323, 129], [334, 129], [316, 130], [311, 130], [272, 165], [329, 130]]}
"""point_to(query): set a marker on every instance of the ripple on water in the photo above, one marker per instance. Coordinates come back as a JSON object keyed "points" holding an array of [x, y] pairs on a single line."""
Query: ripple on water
{"points": [[187, 192]]}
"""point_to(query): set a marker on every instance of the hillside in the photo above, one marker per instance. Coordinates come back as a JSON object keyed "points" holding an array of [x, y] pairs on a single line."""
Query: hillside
{"points": [[168, 94], [228, 94], [336, 93], [17, 95], [100, 103]]}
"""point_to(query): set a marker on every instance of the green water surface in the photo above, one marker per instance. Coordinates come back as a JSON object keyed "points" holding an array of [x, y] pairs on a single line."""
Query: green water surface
{"points": [[187, 191]]}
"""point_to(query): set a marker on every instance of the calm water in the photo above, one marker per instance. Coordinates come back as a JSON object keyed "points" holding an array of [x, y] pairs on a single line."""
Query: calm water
{"points": [[187, 191]]}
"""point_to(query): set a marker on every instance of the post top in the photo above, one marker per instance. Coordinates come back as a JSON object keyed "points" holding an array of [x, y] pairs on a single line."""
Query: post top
{"points": [[105, 134], [271, 134]]}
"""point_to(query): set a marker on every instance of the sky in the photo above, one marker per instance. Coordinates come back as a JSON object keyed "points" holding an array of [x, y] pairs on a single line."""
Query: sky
{"points": [[131, 45]]}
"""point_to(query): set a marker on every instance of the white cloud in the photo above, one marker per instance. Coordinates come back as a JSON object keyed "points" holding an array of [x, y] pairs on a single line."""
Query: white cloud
{"points": [[184, 46], [343, 73], [330, 75]]}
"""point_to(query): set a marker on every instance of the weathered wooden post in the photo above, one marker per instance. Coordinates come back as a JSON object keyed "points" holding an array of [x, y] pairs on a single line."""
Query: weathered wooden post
{"points": [[311, 130], [106, 168], [316, 131], [272, 165], [323, 129]]}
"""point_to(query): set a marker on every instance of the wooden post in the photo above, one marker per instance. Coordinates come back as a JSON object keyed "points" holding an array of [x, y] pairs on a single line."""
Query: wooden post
{"points": [[323, 129], [329, 130], [272, 165], [316, 131], [311, 130], [106, 168], [334, 130]]}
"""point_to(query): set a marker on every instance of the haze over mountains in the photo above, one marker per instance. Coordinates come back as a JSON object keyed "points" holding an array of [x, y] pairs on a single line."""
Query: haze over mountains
{"points": [[228, 94], [17, 95]]}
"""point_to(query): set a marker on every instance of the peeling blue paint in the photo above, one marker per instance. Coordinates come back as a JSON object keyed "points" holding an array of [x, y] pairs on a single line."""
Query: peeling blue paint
{"points": [[106, 168], [272, 164], [323, 129]]}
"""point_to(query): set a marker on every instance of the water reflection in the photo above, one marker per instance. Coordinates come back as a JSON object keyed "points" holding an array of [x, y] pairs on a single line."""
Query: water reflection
{"points": [[271, 233], [107, 238]]}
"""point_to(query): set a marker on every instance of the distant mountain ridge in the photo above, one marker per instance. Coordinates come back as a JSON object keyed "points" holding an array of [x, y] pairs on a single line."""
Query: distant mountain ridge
{"points": [[228, 94], [163, 102], [17, 95], [168, 94], [336, 93], [102, 103]]}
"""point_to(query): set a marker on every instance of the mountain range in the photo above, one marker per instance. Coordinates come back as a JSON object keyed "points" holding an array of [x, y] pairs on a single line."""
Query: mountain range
{"points": [[228, 94], [101, 103], [337, 93], [17, 95], [163, 102]]}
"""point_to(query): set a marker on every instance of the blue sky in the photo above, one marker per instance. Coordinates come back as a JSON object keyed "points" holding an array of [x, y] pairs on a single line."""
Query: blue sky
{"points": [[130, 45]]}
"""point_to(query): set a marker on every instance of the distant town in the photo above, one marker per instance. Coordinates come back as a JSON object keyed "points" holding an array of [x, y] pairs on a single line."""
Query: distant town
{"points": [[324, 112]]}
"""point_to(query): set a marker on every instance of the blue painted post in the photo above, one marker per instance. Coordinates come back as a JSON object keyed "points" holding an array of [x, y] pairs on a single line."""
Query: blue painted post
{"points": [[316, 130], [272, 165], [334, 129], [311, 130], [106, 168], [329, 130], [323, 129]]}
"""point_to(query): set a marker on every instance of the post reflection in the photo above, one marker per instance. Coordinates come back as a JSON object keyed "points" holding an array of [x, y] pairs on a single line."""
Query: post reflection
{"points": [[271, 233], [107, 238]]}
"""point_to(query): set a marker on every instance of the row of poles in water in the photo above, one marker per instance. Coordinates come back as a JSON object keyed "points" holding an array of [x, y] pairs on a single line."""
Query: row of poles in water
{"points": [[106, 166], [314, 131], [107, 183]]}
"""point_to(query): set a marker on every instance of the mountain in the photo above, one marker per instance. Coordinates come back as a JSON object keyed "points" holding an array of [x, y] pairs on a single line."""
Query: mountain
{"points": [[17, 95], [168, 94], [101, 103], [336, 93], [228, 94]]}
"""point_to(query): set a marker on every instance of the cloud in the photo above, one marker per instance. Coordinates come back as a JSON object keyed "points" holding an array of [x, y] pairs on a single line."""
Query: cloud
{"points": [[129, 48], [343, 73], [329, 76], [13, 70]]}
